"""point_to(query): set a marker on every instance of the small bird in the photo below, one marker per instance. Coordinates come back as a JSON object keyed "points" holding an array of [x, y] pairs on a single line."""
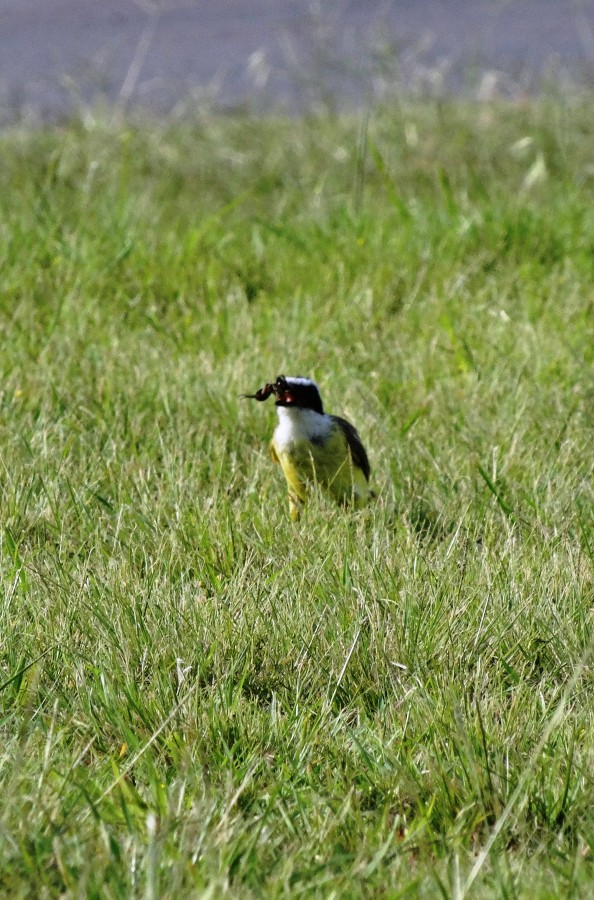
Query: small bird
{"points": [[313, 447]]}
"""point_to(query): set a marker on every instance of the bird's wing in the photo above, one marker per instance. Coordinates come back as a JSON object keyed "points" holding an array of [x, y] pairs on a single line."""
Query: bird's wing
{"points": [[273, 454], [358, 452]]}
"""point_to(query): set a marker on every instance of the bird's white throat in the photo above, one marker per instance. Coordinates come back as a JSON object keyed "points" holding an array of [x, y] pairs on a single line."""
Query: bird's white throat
{"points": [[295, 424]]}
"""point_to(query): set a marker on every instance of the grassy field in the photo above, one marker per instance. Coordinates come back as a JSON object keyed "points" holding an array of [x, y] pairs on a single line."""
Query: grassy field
{"points": [[199, 697]]}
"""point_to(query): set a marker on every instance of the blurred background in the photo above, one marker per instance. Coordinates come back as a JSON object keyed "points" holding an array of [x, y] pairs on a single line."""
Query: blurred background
{"points": [[58, 56]]}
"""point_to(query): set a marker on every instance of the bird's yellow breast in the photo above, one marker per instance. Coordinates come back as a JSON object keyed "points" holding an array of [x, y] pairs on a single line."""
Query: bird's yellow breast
{"points": [[324, 462]]}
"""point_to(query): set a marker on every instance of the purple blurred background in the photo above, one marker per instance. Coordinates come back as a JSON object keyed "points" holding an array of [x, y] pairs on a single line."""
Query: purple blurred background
{"points": [[165, 55]]}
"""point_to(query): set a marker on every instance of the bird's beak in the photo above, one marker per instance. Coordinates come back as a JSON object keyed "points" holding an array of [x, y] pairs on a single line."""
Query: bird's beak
{"points": [[284, 398]]}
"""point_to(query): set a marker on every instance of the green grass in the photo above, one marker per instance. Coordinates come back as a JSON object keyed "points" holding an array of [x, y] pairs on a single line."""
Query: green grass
{"points": [[198, 696]]}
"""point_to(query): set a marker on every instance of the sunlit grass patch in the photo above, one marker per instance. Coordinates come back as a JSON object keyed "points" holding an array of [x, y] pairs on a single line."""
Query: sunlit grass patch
{"points": [[197, 694]]}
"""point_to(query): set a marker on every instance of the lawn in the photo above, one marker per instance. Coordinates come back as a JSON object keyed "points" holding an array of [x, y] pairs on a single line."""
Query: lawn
{"points": [[199, 697]]}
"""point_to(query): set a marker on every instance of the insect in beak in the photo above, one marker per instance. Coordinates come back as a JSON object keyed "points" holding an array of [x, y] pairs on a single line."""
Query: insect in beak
{"points": [[263, 394]]}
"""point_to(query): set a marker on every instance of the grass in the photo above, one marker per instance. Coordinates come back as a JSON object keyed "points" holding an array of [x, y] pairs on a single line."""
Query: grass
{"points": [[196, 695]]}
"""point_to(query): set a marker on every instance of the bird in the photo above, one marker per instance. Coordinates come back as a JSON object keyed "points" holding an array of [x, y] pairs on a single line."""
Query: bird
{"points": [[313, 447]]}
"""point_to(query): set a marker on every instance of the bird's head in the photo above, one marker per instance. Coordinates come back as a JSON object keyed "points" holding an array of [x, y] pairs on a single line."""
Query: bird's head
{"points": [[299, 393]]}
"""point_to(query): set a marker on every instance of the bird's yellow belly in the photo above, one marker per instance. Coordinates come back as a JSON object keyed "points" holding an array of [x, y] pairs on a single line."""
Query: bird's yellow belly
{"points": [[327, 465]]}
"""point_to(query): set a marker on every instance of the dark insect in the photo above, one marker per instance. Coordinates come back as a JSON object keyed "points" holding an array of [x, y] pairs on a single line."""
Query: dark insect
{"points": [[279, 386]]}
